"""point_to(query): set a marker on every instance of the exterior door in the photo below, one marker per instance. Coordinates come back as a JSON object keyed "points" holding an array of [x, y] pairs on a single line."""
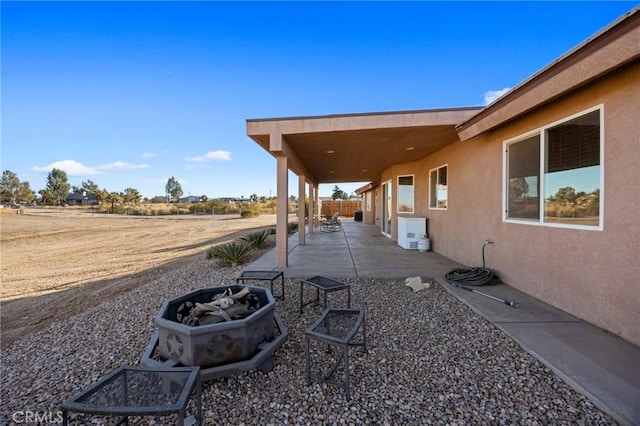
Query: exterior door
{"points": [[387, 209]]}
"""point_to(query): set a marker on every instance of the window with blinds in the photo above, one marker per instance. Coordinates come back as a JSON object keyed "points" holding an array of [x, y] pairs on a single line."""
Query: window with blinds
{"points": [[554, 176]]}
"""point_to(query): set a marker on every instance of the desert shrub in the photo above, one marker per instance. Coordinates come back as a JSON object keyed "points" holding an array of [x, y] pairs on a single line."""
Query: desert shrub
{"points": [[268, 207], [197, 208], [564, 211], [233, 254], [168, 209], [117, 209], [258, 239], [249, 213], [292, 227], [135, 210]]}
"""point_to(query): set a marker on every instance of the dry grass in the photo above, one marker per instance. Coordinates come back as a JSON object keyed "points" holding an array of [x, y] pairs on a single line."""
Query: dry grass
{"points": [[56, 263]]}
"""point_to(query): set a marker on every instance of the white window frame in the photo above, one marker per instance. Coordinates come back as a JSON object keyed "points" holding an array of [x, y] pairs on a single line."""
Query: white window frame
{"points": [[413, 194], [541, 132], [367, 199], [431, 186]]}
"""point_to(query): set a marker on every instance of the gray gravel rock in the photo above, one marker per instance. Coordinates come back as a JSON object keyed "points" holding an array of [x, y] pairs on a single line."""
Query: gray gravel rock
{"points": [[430, 360]]}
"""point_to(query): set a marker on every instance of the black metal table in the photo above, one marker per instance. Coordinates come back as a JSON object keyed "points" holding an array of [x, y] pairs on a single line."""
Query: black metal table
{"points": [[336, 327], [270, 276], [327, 285], [132, 391]]}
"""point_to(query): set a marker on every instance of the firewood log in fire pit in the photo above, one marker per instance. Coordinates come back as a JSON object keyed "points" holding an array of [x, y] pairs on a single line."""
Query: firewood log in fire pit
{"points": [[225, 306]]}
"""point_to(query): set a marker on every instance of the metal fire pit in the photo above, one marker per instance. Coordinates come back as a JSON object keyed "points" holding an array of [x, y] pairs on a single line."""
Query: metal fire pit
{"points": [[220, 349]]}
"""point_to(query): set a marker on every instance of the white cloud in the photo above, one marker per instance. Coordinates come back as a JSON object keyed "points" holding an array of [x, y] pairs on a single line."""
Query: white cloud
{"points": [[492, 95], [75, 168], [119, 165], [71, 167], [149, 154], [211, 156]]}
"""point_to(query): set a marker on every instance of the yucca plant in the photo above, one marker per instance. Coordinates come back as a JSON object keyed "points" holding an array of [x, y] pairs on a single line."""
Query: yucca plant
{"points": [[258, 239], [233, 254]]}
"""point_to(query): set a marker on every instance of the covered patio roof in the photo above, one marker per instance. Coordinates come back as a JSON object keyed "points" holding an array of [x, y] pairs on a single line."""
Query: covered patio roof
{"points": [[357, 147], [347, 148]]}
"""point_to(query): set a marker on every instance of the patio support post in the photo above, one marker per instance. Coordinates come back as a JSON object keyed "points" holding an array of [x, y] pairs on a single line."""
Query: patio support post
{"points": [[302, 183], [282, 212], [316, 201], [312, 209]]}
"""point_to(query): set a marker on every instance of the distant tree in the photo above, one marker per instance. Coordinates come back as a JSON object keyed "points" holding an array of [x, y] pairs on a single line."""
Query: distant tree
{"points": [[131, 195], [9, 187], [339, 194], [158, 199], [101, 195], [204, 198], [173, 189], [25, 194], [46, 196], [113, 198], [566, 195], [518, 188], [254, 198], [90, 187], [58, 184]]}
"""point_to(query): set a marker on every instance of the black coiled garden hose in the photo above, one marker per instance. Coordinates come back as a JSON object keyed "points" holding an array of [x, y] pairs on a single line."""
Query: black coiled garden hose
{"points": [[465, 278], [472, 276]]}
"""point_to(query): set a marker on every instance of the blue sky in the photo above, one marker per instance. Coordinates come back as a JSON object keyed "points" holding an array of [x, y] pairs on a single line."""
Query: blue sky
{"points": [[129, 94]]}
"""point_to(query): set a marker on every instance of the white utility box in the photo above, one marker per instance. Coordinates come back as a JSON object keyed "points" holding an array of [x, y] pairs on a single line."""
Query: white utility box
{"points": [[410, 230]]}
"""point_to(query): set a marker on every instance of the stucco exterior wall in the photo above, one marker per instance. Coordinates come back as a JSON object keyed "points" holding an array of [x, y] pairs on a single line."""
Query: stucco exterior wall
{"points": [[369, 215], [591, 274]]}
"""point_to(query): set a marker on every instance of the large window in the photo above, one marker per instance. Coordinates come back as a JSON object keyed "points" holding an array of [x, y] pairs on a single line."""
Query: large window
{"points": [[438, 191], [554, 176], [405, 194]]}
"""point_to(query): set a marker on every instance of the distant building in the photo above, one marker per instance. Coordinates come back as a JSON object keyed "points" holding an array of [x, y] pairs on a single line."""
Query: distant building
{"points": [[82, 199], [190, 199]]}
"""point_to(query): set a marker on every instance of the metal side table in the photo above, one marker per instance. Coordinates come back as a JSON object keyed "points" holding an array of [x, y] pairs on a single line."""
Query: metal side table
{"points": [[336, 327], [141, 391], [270, 276], [326, 285]]}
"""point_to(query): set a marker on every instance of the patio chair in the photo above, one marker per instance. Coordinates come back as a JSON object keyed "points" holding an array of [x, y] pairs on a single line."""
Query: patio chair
{"points": [[332, 224]]}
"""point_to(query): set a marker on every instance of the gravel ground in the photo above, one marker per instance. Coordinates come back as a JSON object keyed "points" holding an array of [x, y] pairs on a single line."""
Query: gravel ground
{"points": [[430, 360]]}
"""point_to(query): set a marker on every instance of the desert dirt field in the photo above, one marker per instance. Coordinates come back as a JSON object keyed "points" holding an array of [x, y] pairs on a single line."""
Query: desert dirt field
{"points": [[57, 263]]}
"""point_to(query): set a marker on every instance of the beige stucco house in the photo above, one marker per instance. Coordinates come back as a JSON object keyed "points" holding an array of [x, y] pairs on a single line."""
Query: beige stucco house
{"points": [[550, 172]]}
